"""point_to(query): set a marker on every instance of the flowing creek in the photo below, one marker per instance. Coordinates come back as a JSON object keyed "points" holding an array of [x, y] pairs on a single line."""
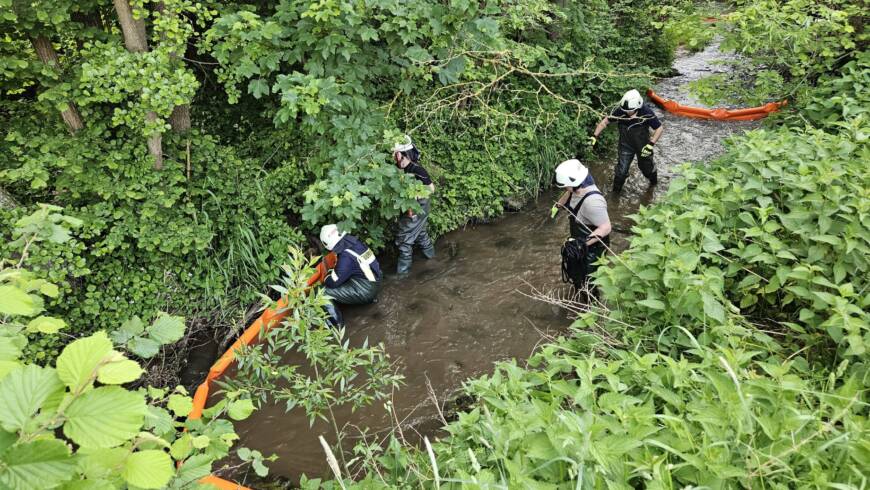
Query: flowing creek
{"points": [[456, 315]]}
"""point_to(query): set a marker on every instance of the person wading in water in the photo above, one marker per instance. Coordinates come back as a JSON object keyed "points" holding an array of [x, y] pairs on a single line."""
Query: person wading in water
{"points": [[588, 220], [412, 226], [635, 120]]}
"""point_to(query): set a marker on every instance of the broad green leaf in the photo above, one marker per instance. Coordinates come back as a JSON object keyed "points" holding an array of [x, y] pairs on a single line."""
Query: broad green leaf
{"points": [[240, 409], [144, 347], [148, 469], [10, 347], [182, 447], [37, 465], [23, 392], [128, 330], [101, 463], [159, 420], [653, 304], [78, 362], [105, 417], [14, 301], [180, 405], [46, 324], [167, 329], [193, 469], [49, 290], [201, 442], [119, 371], [7, 439]]}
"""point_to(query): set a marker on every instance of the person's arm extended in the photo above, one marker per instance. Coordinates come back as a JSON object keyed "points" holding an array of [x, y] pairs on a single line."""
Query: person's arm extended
{"points": [[656, 135], [601, 125], [560, 203]]}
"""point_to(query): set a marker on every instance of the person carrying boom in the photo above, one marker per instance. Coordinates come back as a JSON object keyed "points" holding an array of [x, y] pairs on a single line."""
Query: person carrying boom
{"points": [[635, 120], [356, 277]]}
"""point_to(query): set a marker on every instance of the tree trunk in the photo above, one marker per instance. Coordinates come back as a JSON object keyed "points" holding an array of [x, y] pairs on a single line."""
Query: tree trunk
{"points": [[180, 118], [48, 55], [6, 200], [135, 38], [136, 41]]}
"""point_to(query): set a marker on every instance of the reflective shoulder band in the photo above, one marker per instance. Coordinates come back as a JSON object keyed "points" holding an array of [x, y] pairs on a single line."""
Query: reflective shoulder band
{"points": [[365, 261]]}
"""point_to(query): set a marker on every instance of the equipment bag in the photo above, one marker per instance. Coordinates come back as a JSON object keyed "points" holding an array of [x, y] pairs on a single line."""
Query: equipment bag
{"points": [[575, 267]]}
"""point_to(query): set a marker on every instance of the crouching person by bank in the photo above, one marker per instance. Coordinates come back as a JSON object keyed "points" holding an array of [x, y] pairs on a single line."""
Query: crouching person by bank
{"points": [[356, 277]]}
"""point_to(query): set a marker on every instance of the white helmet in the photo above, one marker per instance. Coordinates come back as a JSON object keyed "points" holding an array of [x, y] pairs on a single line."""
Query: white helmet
{"points": [[405, 145], [330, 235], [631, 101], [571, 173]]}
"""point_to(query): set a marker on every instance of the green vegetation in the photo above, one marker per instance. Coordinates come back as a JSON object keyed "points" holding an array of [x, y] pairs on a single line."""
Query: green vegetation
{"points": [[730, 350], [161, 157], [196, 141], [73, 425]]}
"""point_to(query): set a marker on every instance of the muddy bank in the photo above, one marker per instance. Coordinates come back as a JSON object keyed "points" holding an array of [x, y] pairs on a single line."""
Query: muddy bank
{"points": [[458, 314]]}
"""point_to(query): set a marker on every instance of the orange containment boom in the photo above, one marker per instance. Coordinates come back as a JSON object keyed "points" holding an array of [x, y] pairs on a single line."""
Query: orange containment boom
{"points": [[750, 114], [270, 318]]}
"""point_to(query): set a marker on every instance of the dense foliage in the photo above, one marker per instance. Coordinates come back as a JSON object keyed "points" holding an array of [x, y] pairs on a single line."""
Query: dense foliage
{"points": [[730, 350], [73, 425], [197, 140]]}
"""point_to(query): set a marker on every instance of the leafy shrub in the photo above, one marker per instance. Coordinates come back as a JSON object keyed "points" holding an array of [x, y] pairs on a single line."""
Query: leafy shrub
{"points": [[775, 232], [74, 424], [716, 418], [332, 375]]}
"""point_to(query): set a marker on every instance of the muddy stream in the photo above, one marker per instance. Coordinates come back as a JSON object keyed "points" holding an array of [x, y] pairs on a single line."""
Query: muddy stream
{"points": [[456, 315]]}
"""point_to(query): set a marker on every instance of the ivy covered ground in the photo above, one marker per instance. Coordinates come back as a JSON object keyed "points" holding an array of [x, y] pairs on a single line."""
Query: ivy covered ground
{"points": [[159, 158]]}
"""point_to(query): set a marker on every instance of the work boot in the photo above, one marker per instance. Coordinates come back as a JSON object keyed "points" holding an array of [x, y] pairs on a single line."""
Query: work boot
{"points": [[404, 266], [334, 317], [429, 252]]}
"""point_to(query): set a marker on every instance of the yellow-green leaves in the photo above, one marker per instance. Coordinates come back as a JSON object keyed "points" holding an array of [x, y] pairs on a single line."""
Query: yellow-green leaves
{"points": [[148, 469], [23, 392], [104, 417]]}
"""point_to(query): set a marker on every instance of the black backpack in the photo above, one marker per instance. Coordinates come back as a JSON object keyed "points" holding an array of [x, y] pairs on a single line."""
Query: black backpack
{"points": [[574, 262]]}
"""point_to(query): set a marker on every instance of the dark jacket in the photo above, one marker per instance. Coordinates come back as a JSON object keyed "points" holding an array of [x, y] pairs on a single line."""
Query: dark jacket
{"points": [[347, 266]]}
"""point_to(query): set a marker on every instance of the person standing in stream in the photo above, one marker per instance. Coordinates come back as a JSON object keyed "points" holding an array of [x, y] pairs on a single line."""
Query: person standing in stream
{"points": [[635, 120], [589, 222], [412, 226]]}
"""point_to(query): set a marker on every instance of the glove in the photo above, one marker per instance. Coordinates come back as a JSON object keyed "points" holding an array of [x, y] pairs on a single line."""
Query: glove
{"points": [[647, 150], [554, 211], [592, 141]]}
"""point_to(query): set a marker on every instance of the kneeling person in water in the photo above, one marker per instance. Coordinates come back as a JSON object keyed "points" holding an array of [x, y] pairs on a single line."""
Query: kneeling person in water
{"points": [[356, 278]]}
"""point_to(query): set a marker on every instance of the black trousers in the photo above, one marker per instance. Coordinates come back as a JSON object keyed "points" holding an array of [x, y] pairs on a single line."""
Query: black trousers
{"points": [[625, 155]]}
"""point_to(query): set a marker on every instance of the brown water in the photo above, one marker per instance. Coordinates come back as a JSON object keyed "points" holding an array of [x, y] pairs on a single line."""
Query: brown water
{"points": [[454, 316]]}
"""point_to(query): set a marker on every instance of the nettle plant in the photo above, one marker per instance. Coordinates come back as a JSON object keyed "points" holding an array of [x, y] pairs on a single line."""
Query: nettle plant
{"points": [[74, 424]]}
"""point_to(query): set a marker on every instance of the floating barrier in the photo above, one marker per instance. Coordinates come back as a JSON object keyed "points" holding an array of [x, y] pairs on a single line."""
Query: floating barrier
{"points": [[749, 114], [270, 318]]}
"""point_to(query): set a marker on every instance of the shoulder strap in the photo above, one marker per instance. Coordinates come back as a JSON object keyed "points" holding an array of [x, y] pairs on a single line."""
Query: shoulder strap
{"points": [[365, 260], [576, 209]]}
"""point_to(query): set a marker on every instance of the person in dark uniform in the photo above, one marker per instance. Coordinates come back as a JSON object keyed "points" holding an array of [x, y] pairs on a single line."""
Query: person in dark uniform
{"points": [[635, 120], [412, 226], [587, 216], [356, 277]]}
